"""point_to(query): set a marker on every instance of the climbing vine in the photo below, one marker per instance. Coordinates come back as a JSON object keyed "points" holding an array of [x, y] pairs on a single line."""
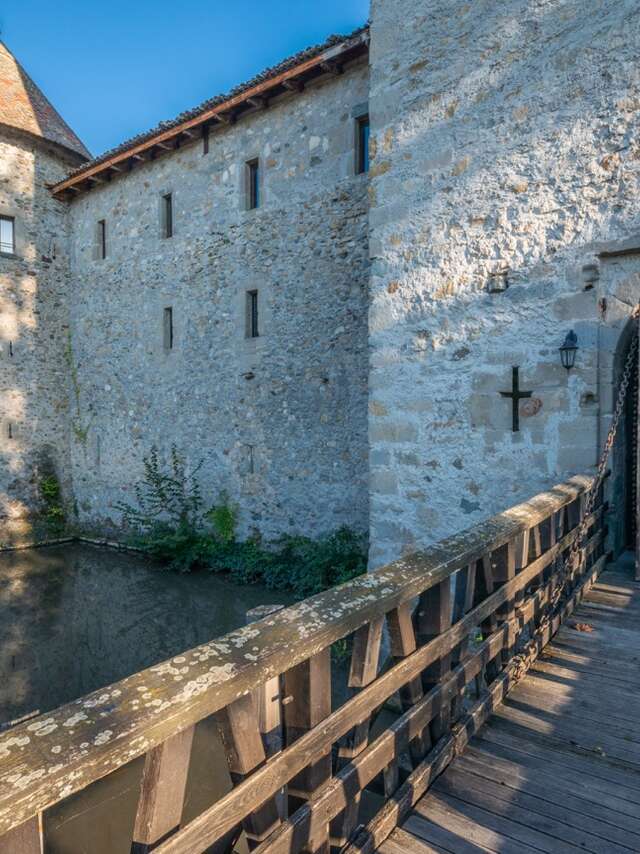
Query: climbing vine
{"points": [[54, 513], [79, 425]]}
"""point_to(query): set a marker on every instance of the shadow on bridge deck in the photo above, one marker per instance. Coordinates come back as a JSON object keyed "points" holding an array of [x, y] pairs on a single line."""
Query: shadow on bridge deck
{"points": [[557, 767]]}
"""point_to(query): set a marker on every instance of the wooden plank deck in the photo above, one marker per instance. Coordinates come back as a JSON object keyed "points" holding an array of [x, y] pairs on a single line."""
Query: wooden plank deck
{"points": [[557, 767]]}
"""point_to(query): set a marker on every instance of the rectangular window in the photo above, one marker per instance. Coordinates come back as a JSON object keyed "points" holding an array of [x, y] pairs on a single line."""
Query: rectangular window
{"points": [[253, 184], [362, 145], [7, 235], [253, 330], [167, 214], [102, 239], [167, 328]]}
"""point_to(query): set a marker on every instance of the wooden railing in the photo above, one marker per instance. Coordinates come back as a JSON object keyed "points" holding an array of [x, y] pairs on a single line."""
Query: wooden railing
{"points": [[457, 615]]}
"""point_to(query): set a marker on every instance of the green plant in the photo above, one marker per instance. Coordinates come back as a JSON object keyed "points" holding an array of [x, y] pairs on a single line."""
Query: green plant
{"points": [[79, 426], [169, 516], [224, 518], [172, 525], [54, 514]]}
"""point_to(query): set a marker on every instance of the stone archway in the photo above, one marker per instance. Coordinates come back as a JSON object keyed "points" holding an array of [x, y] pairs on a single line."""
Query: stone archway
{"points": [[620, 289], [624, 461]]}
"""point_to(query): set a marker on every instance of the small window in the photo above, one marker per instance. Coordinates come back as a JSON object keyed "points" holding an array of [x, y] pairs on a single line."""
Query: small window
{"points": [[167, 214], [7, 235], [253, 329], [253, 184], [167, 328], [362, 145], [102, 239]]}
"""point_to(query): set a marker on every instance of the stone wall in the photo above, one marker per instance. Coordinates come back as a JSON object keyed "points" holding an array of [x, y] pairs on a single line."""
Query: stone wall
{"points": [[33, 327], [278, 422], [505, 140]]}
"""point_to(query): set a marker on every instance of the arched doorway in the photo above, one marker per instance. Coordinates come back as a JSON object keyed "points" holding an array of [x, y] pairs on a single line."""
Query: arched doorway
{"points": [[624, 462]]}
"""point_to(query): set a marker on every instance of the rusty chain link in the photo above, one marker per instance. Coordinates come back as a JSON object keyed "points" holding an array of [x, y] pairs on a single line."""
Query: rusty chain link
{"points": [[575, 559]]}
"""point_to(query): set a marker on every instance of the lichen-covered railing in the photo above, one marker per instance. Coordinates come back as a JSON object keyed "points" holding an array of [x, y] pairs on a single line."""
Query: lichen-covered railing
{"points": [[480, 595]]}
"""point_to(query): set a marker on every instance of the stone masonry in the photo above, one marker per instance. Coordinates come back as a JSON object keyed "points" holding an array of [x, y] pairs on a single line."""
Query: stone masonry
{"points": [[505, 142], [279, 421], [34, 288], [499, 213]]}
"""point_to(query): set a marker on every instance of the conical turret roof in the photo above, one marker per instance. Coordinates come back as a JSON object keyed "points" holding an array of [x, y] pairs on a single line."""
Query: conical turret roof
{"points": [[23, 106]]}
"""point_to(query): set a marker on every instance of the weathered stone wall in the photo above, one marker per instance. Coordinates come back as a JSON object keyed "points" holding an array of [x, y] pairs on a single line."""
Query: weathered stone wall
{"points": [[506, 138], [280, 422], [33, 327]]}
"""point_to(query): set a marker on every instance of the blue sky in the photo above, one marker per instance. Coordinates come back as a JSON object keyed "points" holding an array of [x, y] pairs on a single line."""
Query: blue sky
{"points": [[115, 69]]}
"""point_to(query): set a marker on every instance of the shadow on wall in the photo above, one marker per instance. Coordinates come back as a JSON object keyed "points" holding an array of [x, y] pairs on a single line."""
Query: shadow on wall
{"points": [[33, 326], [478, 176]]}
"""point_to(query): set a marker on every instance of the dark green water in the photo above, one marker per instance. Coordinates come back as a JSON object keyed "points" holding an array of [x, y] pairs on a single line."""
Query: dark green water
{"points": [[76, 618]]}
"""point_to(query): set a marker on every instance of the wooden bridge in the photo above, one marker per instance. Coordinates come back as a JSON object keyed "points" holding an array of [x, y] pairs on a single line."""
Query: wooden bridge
{"points": [[473, 720]]}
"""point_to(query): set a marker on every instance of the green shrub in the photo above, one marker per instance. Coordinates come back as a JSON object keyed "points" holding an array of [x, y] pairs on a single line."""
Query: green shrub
{"points": [[172, 526], [53, 512]]}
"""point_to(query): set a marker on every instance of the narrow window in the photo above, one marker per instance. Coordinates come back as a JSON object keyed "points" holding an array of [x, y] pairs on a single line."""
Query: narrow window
{"points": [[167, 328], [205, 139], [362, 145], [167, 204], [253, 330], [7, 235], [102, 239], [253, 184]]}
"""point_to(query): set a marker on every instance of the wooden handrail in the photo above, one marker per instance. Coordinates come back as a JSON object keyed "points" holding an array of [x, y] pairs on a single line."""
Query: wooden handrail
{"points": [[55, 755]]}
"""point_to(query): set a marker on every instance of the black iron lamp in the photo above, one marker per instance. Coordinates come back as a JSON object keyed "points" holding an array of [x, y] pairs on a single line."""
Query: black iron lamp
{"points": [[568, 350]]}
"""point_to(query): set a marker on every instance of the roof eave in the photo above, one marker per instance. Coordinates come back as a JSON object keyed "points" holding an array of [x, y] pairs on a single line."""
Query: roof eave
{"points": [[330, 61]]}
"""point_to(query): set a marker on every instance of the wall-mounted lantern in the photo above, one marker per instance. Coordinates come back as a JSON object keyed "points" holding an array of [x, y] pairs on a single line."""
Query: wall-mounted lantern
{"points": [[568, 350]]}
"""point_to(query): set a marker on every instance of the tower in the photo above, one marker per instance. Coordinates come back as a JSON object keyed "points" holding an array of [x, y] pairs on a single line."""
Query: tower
{"points": [[37, 148]]}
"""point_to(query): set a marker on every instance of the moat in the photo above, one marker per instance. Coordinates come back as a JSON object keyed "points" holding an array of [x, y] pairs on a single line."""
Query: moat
{"points": [[74, 618]]}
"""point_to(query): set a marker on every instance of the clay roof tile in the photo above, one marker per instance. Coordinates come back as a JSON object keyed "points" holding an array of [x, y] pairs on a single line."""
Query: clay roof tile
{"points": [[23, 106]]}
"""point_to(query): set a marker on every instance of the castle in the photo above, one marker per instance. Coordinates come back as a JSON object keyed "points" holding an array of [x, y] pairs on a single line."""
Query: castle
{"points": [[322, 283]]}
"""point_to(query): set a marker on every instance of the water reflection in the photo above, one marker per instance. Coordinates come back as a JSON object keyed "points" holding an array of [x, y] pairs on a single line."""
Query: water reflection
{"points": [[76, 618]]}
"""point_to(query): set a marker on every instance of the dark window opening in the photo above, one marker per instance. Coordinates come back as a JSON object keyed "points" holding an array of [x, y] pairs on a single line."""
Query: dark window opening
{"points": [[7, 235], [167, 202], [362, 152], [102, 238], [253, 182], [168, 329], [205, 139], [253, 330]]}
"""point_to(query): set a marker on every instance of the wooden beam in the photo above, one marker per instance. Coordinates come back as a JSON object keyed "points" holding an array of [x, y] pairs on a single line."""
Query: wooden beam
{"points": [[26, 839], [334, 68], [240, 733], [164, 783], [308, 693], [282, 641], [259, 101], [226, 118], [296, 85], [215, 821], [345, 51]]}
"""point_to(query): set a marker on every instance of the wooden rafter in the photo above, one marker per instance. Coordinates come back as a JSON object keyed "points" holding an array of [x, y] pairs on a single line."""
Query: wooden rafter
{"points": [[330, 61]]}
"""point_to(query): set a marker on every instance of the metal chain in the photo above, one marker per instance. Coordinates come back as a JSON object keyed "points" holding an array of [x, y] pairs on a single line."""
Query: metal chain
{"points": [[576, 557]]}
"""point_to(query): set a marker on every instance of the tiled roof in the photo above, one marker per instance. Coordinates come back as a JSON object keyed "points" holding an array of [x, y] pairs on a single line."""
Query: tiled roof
{"points": [[23, 106], [263, 77]]}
